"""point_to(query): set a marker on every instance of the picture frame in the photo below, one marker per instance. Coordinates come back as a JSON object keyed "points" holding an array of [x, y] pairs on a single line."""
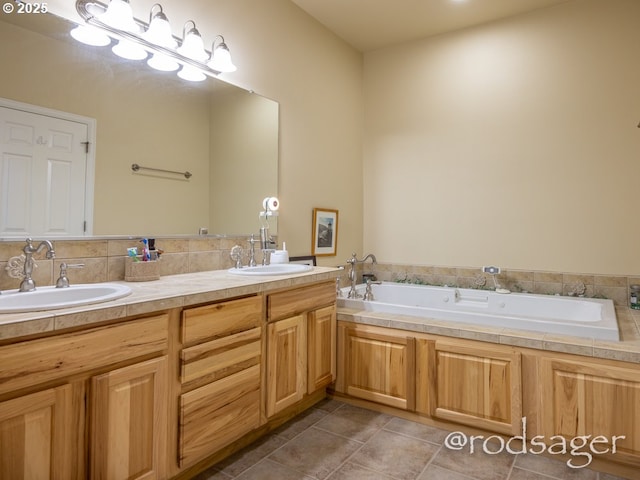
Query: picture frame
{"points": [[324, 240], [304, 260]]}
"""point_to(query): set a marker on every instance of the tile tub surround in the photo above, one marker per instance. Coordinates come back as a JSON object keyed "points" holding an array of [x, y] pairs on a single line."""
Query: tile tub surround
{"points": [[627, 349], [338, 441], [614, 287], [104, 258]]}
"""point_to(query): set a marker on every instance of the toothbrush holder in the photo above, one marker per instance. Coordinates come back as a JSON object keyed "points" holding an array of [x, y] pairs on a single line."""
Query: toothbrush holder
{"points": [[141, 271]]}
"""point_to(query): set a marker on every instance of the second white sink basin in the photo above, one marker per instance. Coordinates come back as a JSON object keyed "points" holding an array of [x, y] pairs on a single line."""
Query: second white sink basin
{"points": [[51, 298], [273, 269]]}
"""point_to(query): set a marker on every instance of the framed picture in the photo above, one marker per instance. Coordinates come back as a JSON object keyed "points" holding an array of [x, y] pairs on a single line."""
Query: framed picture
{"points": [[305, 260], [325, 232]]}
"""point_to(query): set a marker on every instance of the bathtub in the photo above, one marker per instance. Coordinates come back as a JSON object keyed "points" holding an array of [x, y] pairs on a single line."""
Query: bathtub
{"points": [[581, 317]]}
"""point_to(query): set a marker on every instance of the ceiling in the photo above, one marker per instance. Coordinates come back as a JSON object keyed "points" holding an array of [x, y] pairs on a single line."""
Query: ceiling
{"points": [[373, 24]]}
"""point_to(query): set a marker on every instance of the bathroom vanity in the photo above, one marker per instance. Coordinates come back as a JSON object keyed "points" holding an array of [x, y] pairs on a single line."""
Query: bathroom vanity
{"points": [[165, 382]]}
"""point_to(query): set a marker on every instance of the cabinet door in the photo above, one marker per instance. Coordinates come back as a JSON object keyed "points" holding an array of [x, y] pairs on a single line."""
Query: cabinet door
{"points": [[321, 348], [35, 436], [286, 363], [129, 419], [380, 367], [472, 384], [583, 398]]}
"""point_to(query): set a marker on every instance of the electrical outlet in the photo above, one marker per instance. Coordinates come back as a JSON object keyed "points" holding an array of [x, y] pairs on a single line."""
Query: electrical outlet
{"points": [[491, 270]]}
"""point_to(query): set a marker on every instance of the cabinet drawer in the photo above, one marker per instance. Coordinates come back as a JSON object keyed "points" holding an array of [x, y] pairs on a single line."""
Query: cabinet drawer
{"points": [[219, 413], [38, 361], [220, 319], [222, 357], [292, 302]]}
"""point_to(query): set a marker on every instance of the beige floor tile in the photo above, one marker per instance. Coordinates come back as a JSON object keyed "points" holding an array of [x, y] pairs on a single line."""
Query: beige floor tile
{"points": [[300, 423], [518, 474], [315, 452], [351, 471], [249, 456], [434, 472], [362, 415], [326, 442], [396, 455], [268, 470], [352, 429], [554, 467], [479, 464], [417, 430]]}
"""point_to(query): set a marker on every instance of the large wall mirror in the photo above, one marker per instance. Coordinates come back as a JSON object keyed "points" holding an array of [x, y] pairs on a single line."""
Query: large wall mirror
{"points": [[226, 137]]}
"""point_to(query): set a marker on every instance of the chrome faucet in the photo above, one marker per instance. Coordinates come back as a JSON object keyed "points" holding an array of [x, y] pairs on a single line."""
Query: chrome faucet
{"points": [[27, 284], [63, 280], [352, 272], [267, 245]]}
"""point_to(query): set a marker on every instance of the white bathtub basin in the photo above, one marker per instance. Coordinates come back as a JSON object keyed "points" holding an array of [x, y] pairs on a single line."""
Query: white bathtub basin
{"points": [[581, 317], [274, 269], [51, 298]]}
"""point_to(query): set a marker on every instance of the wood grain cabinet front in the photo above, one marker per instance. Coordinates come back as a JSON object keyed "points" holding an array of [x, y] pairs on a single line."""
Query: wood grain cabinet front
{"points": [[378, 366], [582, 397], [220, 376], [129, 422], [471, 383], [301, 344], [36, 437], [52, 388], [218, 413]]}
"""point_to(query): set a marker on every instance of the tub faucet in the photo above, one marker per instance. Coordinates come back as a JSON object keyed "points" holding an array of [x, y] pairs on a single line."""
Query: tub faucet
{"points": [[352, 272], [27, 284]]}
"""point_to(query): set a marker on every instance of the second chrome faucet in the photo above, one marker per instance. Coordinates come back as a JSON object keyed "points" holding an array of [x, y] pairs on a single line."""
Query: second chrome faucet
{"points": [[353, 293]]}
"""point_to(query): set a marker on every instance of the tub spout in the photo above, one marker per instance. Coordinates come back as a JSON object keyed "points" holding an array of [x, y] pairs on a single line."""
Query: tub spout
{"points": [[352, 272]]}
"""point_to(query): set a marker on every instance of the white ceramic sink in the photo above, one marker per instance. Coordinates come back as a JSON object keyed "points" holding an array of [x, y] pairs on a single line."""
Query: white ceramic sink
{"points": [[51, 298], [274, 269]]}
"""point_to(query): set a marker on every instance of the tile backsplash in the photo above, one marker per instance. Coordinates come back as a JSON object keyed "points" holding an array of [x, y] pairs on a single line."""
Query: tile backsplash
{"points": [[104, 259]]}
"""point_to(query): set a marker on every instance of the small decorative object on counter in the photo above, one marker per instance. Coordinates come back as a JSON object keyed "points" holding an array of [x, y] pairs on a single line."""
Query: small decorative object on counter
{"points": [[634, 294], [141, 268]]}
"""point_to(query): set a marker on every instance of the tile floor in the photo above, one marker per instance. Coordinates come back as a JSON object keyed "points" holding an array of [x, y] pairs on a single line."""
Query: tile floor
{"points": [[337, 441]]}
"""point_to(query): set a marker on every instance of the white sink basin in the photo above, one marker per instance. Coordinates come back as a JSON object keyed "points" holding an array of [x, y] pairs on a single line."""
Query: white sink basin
{"points": [[51, 298], [274, 269]]}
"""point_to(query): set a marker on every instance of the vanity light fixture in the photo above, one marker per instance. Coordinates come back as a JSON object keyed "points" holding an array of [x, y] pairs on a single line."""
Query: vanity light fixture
{"points": [[192, 44], [129, 50], [119, 15], [137, 40], [90, 35], [221, 57], [159, 31]]}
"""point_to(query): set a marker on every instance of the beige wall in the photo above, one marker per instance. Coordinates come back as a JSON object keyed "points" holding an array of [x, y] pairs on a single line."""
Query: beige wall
{"points": [[285, 55], [513, 143]]}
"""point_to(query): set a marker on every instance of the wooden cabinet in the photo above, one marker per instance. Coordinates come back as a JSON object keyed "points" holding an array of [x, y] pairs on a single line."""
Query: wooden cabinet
{"points": [[379, 366], [471, 383], [35, 436], [585, 397], [220, 371], [301, 348], [43, 417], [286, 363], [129, 420], [321, 348]]}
